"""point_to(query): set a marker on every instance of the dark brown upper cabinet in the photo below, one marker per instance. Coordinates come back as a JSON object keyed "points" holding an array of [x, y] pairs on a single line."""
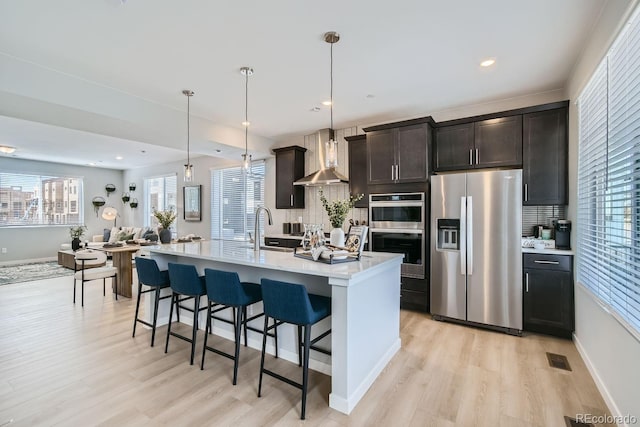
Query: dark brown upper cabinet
{"points": [[358, 168], [289, 168], [544, 167], [489, 143], [453, 148], [398, 152], [498, 142]]}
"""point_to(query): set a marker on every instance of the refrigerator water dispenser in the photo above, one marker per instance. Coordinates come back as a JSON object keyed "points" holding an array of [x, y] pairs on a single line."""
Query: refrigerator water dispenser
{"points": [[448, 234]]}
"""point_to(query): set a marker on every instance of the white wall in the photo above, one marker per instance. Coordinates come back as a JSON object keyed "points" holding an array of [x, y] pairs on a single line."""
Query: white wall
{"points": [[609, 350], [43, 242]]}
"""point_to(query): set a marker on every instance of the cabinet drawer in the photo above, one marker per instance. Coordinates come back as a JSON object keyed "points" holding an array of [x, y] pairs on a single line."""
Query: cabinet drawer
{"points": [[547, 262]]}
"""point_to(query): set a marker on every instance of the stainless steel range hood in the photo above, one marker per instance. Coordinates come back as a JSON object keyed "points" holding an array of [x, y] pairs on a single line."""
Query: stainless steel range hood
{"points": [[324, 176]]}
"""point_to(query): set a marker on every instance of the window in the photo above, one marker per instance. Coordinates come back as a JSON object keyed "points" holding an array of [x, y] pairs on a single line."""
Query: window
{"points": [[30, 200], [234, 199], [161, 194], [608, 261]]}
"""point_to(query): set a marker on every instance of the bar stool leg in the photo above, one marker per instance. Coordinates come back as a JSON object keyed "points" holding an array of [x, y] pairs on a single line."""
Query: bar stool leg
{"points": [[305, 368], [74, 290], [155, 315], [104, 285], [173, 298], [238, 330], [244, 312], [299, 344], [264, 344], [194, 332], [135, 319], [206, 334], [275, 334]]}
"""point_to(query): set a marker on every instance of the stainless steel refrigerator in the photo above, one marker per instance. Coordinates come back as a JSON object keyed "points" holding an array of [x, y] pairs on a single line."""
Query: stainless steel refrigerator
{"points": [[476, 255]]}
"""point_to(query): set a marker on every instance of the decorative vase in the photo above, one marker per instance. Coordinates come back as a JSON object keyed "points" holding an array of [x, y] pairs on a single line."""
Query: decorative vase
{"points": [[165, 235], [337, 236], [75, 244]]}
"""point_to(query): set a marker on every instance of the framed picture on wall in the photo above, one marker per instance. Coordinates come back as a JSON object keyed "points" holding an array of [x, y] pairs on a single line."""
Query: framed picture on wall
{"points": [[192, 201]]}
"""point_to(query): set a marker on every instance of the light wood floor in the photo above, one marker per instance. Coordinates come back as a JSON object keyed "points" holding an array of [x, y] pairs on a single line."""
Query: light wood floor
{"points": [[61, 364]]}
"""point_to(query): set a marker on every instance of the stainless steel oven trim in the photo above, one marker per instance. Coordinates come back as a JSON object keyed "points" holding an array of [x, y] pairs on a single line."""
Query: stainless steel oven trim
{"points": [[416, 271]]}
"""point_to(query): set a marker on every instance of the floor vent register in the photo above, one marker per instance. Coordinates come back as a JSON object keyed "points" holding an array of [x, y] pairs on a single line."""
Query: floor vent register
{"points": [[572, 422], [558, 361]]}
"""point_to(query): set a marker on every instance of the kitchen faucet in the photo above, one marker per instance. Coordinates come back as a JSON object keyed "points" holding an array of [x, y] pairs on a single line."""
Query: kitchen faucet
{"points": [[256, 231]]}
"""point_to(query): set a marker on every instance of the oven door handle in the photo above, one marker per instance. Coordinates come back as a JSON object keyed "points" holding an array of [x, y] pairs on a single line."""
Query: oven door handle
{"points": [[463, 236]]}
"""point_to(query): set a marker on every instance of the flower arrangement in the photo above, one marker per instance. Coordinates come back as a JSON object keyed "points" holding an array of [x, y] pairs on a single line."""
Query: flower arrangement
{"points": [[338, 209], [165, 218], [77, 232]]}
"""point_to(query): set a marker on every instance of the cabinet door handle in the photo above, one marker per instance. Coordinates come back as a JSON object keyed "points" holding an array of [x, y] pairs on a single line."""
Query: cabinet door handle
{"points": [[546, 262], [526, 192], [477, 157], [393, 172], [273, 243], [526, 282], [397, 173], [470, 156], [291, 200]]}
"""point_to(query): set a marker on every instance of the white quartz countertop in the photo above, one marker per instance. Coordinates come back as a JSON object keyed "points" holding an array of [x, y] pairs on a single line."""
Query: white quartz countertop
{"points": [[242, 253], [547, 251]]}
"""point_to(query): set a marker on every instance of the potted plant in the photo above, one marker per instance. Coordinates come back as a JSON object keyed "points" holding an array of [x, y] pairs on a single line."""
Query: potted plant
{"points": [[76, 233], [165, 219], [337, 211]]}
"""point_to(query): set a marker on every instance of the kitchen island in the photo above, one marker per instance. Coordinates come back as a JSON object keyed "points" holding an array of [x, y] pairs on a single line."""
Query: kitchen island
{"points": [[365, 307]]}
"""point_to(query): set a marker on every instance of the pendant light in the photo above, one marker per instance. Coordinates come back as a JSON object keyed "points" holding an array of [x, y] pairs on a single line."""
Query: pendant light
{"points": [[246, 157], [188, 168], [331, 146]]}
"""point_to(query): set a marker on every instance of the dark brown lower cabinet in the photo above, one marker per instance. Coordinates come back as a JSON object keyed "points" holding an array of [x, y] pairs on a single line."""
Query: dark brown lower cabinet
{"points": [[414, 294], [548, 305]]}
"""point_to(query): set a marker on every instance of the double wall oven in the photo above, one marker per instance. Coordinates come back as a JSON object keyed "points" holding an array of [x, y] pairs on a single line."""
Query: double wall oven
{"points": [[397, 224]]}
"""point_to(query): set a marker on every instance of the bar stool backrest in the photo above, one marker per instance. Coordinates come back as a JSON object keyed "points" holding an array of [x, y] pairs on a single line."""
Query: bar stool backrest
{"points": [[185, 280], [286, 301], [149, 274], [224, 287]]}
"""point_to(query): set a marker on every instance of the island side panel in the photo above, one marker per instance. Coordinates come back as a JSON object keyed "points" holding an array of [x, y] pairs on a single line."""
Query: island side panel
{"points": [[365, 334]]}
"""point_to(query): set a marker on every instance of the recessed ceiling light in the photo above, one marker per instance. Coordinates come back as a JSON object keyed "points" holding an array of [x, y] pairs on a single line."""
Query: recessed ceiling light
{"points": [[119, 157], [91, 164], [246, 123], [488, 62], [6, 149], [327, 103], [218, 150]]}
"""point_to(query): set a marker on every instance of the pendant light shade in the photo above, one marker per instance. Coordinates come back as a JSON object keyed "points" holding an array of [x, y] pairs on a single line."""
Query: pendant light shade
{"points": [[331, 146], [246, 157], [188, 168]]}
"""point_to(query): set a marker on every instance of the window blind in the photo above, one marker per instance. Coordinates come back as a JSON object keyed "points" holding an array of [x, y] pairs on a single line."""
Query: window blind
{"points": [[32, 200], [608, 260], [161, 193], [235, 195]]}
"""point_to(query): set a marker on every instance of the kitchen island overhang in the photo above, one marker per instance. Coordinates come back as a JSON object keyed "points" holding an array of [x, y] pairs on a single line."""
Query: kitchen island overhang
{"points": [[365, 307]]}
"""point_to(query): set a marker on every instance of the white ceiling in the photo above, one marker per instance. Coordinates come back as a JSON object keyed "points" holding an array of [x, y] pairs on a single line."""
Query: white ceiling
{"points": [[82, 80]]}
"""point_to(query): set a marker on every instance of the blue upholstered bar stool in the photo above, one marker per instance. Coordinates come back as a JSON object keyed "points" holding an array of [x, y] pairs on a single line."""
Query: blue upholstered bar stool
{"points": [[290, 303], [185, 284], [149, 275], [224, 291]]}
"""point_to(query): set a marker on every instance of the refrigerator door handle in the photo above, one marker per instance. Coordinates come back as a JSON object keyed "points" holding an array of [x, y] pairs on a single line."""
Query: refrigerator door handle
{"points": [[470, 235], [470, 156], [463, 237]]}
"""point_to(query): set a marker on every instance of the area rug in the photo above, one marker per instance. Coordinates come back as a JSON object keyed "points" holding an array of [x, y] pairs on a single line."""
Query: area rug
{"points": [[33, 271]]}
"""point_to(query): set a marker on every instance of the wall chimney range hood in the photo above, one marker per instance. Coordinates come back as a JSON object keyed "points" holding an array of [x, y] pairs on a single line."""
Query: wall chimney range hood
{"points": [[324, 176]]}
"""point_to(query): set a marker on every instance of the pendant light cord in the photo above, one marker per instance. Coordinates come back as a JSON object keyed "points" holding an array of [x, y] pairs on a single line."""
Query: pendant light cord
{"points": [[246, 115], [331, 85], [188, 128]]}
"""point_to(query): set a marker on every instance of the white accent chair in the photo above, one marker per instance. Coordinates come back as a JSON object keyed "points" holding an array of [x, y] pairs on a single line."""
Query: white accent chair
{"points": [[84, 260]]}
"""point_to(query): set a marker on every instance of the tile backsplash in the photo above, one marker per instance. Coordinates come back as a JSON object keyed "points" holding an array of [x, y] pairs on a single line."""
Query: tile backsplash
{"points": [[540, 215]]}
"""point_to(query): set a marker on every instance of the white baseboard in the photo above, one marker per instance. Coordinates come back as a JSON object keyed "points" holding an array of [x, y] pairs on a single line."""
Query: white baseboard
{"points": [[602, 388]]}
